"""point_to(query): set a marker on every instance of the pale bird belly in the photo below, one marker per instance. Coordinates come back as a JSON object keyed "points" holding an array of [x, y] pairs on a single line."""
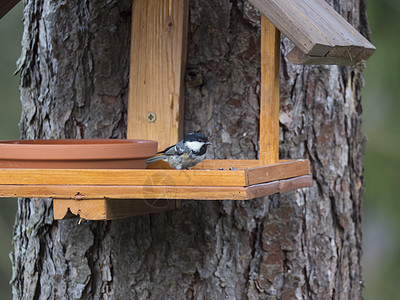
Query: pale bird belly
{"points": [[184, 161]]}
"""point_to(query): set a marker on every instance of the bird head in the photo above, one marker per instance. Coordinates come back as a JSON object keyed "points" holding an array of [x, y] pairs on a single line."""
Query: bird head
{"points": [[195, 141]]}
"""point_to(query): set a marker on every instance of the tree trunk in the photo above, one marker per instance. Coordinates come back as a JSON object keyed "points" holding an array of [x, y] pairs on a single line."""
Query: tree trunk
{"points": [[298, 245]]}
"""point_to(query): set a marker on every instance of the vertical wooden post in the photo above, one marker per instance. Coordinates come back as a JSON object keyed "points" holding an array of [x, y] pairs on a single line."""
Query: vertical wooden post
{"points": [[157, 69], [158, 61], [269, 103]]}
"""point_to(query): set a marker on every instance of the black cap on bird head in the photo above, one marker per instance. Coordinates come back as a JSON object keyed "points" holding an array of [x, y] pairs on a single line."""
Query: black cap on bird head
{"points": [[197, 137]]}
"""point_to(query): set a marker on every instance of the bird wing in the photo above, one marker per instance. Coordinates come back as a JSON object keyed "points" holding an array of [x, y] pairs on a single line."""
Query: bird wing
{"points": [[166, 149], [177, 149]]}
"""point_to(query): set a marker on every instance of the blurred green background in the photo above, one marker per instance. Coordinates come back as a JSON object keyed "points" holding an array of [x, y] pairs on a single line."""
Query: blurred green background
{"points": [[381, 124]]}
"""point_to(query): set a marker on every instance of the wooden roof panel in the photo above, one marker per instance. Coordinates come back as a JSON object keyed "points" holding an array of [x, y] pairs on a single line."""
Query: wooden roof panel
{"points": [[319, 33], [295, 25]]}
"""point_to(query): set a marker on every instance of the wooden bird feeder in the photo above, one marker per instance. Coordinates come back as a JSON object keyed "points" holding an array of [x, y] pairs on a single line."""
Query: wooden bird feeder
{"points": [[156, 101]]}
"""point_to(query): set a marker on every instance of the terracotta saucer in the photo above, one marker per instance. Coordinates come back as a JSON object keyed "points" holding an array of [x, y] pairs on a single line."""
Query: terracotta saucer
{"points": [[76, 154]]}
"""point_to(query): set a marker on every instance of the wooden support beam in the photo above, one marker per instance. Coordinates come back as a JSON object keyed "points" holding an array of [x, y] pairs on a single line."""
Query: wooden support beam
{"points": [[269, 94], [105, 209], [158, 61]]}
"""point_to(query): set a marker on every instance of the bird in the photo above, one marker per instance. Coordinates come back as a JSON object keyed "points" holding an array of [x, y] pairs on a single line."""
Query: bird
{"points": [[185, 154]]}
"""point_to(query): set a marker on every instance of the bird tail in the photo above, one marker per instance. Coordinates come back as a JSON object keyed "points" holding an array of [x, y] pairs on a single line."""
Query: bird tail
{"points": [[154, 159]]}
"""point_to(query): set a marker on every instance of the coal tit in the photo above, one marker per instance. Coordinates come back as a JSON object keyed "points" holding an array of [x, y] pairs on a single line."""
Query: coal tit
{"points": [[185, 154]]}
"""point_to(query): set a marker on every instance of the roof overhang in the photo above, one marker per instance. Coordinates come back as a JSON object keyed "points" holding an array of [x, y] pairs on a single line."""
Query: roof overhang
{"points": [[319, 33]]}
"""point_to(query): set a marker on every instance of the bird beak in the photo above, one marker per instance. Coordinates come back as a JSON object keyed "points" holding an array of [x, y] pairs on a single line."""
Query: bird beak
{"points": [[208, 143]]}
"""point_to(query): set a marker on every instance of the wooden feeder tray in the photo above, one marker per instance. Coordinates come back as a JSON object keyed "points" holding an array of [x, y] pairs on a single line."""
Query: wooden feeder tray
{"points": [[98, 193], [81, 184], [155, 112]]}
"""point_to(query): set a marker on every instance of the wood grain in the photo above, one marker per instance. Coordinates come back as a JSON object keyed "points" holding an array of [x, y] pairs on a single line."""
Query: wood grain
{"points": [[336, 56], [104, 209], [281, 186], [158, 61], [146, 177], [108, 209], [296, 56], [122, 177], [316, 29], [292, 184], [269, 94], [261, 190], [90, 210], [214, 164], [277, 171], [84, 194]]}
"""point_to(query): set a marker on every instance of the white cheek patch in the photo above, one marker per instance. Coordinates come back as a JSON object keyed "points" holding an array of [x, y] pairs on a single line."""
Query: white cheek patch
{"points": [[194, 146]]}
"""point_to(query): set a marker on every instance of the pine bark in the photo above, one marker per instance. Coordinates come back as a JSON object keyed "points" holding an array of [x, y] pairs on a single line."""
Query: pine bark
{"points": [[299, 245]]}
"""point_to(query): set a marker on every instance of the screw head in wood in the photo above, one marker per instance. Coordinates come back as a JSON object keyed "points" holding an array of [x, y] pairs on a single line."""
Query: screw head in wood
{"points": [[151, 117]]}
